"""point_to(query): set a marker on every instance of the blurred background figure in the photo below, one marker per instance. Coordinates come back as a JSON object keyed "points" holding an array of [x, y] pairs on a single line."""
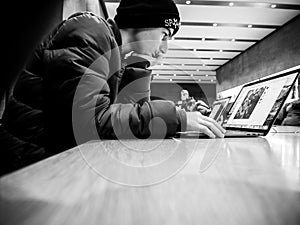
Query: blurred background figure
{"points": [[189, 104]]}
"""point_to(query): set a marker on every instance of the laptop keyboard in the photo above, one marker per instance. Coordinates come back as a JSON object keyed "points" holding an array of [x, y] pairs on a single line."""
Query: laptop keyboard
{"points": [[237, 132]]}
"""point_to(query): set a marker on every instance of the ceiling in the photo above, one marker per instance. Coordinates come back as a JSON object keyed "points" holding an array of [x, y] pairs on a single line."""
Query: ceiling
{"points": [[214, 32]]}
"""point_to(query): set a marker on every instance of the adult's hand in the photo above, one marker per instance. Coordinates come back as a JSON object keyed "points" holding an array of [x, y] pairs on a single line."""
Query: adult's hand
{"points": [[153, 61], [197, 122]]}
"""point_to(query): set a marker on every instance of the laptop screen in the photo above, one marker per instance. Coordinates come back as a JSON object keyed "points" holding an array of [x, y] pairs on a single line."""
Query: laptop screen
{"points": [[259, 102], [218, 107]]}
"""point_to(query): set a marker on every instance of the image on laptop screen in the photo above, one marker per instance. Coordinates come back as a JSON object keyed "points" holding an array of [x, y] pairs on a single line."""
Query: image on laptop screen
{"points": [[219, 107], [259, 103]]}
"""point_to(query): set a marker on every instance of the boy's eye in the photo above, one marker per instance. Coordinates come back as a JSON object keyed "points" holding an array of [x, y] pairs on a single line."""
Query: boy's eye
{"points": [[165, 37]]}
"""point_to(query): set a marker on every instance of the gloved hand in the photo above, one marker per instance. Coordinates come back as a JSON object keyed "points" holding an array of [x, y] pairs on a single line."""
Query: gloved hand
{"points": [[152, 61], [137, 61], [135, 83]]}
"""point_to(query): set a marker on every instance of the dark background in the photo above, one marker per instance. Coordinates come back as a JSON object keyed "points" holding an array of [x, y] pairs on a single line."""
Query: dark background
{"points": [[23, 26]]}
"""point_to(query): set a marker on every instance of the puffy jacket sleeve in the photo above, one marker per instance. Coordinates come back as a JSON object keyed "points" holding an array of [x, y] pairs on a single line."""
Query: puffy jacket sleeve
{"points": [[85, 81], [137, 116], [133, 115], [135, 82]]}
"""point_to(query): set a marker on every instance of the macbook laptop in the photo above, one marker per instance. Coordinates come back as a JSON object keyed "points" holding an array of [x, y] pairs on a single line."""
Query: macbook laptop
{"points": [[256, 107]]}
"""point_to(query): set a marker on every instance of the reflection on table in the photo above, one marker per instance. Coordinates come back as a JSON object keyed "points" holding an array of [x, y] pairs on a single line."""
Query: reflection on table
{"points": [[174, 181]]}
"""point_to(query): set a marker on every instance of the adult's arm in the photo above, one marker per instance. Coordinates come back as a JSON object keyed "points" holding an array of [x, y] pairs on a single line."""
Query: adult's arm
{"points": [[82, 80]]}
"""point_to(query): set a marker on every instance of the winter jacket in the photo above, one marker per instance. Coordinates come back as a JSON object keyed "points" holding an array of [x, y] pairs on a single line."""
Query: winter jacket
{"points": [[77, 77]]}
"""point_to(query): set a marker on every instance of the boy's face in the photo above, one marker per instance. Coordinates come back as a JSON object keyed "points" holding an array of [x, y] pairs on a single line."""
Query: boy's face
{"points": [[151, 41]]}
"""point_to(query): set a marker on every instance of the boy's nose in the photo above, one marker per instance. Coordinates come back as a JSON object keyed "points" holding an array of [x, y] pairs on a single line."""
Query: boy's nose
{"points": [[164, 47]]}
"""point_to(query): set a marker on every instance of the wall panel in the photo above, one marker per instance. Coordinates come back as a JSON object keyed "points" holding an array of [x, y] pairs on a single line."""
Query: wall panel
{"points": [[277, 52]]}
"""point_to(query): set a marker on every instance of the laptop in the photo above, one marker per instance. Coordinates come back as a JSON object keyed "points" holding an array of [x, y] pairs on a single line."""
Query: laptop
{"points": [[256, 107], [219, 109]]}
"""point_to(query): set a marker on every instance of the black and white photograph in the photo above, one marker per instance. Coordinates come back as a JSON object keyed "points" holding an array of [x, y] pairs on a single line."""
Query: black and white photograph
{"points": [[249, 103], [110, 114], [279, 101]]}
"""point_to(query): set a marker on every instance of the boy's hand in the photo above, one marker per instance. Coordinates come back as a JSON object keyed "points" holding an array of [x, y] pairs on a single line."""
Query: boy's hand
{"points": [[197, 122]]}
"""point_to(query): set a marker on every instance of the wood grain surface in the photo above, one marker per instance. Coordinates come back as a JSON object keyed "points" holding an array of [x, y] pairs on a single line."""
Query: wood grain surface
{"points": [[176, 181]]}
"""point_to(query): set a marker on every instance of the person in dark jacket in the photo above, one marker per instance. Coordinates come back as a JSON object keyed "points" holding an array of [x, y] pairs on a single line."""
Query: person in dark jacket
{"points": [[189, 104], [90, 78], [38, 18]]}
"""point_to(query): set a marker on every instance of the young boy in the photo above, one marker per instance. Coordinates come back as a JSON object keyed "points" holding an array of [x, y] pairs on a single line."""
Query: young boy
{"points": [[93, 78]]}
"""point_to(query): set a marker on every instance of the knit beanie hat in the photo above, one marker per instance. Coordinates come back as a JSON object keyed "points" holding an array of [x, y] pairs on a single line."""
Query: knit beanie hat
{"points": [[148, 14]]}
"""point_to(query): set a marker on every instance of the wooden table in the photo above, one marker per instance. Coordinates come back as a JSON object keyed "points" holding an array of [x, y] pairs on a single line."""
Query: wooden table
{"points": [[187, 181]]}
